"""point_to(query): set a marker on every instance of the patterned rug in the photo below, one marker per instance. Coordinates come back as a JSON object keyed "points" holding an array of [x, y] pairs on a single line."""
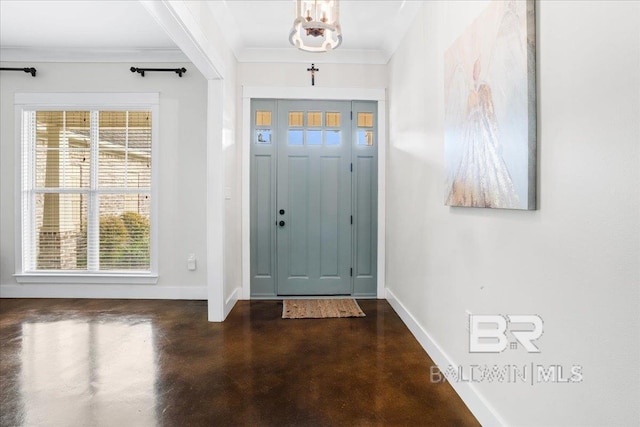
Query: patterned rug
{"points": [[320, 308]]}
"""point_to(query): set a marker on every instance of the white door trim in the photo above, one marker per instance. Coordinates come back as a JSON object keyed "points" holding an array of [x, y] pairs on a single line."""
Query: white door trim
{"points": [[313, 93]]}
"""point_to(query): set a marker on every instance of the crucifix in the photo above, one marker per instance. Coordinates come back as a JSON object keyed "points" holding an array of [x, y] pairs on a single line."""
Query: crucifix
{"points": [[313, 70]]}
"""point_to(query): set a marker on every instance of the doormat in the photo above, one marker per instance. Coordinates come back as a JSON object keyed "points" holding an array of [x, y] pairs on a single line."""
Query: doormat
{"points": [[320, 308]]}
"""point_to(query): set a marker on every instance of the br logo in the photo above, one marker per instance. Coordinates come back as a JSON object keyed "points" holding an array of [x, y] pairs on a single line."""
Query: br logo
{"points": [[488, 333]]}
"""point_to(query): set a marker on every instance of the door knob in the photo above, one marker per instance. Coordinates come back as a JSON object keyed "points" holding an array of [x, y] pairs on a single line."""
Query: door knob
{"points": [[281, 223]]}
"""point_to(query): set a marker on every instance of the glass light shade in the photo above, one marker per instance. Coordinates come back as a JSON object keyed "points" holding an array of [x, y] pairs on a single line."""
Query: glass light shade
{"points": [[316, 27]]}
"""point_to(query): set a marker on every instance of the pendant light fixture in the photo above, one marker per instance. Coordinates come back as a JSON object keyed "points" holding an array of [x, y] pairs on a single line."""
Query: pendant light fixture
{"points": [[316, 27]]}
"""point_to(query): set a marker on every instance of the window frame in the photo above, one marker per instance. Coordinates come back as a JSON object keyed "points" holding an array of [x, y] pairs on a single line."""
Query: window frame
{"points": [[148, 101]]}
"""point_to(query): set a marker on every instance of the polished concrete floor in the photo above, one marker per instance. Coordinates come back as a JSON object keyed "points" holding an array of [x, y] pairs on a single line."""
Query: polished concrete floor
{"points": [[146, 363]]}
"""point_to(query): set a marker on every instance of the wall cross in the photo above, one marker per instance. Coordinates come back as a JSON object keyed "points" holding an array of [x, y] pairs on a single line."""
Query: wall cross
{"points": [[313, 70]]}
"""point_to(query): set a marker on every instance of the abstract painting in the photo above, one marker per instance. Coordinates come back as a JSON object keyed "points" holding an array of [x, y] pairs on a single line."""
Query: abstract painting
{"points": [[490, 110]]}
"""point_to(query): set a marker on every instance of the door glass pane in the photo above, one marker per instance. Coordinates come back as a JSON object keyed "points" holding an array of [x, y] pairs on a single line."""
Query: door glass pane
{"points": [[365, 137], [263, 136], [314, 119], [296, 137], [263, 118], [296, 118], [314, 137], [365, 120], [333, 119], [333, 137]]}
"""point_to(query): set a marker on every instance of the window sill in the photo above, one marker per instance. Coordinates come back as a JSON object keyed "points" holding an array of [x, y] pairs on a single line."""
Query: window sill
{"points": [[90, 279]]}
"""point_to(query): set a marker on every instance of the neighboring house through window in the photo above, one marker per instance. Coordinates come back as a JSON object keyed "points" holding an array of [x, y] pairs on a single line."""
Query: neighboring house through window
{"points": [[87, 186]]}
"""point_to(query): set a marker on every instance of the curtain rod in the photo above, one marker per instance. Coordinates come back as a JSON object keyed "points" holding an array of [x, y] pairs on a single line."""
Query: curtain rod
{"points": [[29, 70], [178, 71]]}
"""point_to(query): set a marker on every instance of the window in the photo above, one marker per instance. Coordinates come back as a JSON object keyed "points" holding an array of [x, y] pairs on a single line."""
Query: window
{"points": [[365, 136], [86, 189], [263, 124]]}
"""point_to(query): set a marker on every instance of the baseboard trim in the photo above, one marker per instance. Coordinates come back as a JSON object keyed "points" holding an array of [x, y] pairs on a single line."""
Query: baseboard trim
{"points": [[231, 301], [104, 291], [476, 403]]}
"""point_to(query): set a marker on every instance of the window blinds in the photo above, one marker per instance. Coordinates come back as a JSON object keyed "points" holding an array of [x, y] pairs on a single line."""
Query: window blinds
{"points": [[86, 190]]}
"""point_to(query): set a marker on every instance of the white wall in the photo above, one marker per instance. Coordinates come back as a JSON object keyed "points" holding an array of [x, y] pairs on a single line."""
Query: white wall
{"points": [[296, 75], [180, 160], [574, 261]]}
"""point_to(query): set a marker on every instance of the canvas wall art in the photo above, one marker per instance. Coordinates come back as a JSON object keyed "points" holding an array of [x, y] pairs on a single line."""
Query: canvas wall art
{"points": [[490, 110]]}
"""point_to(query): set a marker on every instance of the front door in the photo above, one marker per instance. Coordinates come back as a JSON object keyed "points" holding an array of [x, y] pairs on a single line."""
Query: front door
{"points": [[313, 214], [314, 198]]}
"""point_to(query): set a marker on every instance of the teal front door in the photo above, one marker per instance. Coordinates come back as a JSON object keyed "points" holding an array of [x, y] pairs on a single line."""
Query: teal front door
{"points": [[313, 198]]}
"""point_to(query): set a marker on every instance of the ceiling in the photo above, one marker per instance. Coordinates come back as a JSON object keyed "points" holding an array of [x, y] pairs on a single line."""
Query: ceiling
{"points": [[104, 30]]}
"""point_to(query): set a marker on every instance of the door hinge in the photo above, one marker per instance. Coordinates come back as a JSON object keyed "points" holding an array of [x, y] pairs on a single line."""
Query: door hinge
{"points": [[351, 167], [351, 272], [351, 115], [351, 219]]}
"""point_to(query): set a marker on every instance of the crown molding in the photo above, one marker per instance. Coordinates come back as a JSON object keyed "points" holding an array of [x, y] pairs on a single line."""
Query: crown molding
{"points": [[293, 55], [40, 54]]}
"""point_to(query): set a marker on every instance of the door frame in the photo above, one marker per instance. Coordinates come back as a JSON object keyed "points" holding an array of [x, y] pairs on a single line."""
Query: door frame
{"points": [[315, 94]]}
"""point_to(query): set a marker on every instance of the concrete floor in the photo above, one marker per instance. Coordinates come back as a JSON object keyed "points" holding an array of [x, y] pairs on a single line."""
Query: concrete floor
{"points": [[73, 362]]}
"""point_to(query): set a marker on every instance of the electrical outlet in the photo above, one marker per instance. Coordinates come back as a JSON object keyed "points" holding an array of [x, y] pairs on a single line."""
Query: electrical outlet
{"points": [[191, 262]]}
